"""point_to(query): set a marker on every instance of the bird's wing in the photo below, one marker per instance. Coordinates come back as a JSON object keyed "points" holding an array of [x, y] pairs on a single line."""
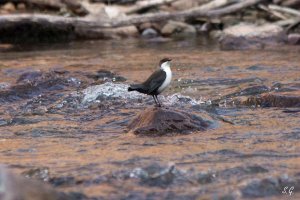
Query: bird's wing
{"points": [[155, 80]]}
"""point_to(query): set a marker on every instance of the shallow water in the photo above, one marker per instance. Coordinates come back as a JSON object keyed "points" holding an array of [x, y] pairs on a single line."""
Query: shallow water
{"points": [[80, 143]]}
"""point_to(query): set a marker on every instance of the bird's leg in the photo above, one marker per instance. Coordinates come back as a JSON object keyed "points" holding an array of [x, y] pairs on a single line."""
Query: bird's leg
{"points": [[155, 100], [159, 105]]}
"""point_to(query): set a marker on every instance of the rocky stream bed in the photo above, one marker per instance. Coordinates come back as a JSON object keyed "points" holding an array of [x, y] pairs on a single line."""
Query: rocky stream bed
{"points": [[65, 112]]}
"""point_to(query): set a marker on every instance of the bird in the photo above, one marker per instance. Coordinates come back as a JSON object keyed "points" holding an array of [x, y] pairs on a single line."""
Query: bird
{"points": [[157, 82]]}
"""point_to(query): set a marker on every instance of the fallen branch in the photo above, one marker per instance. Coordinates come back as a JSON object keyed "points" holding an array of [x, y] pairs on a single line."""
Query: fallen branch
{"points": [[284, 10], [73, 5], [212, 5], [196, 12], [55, 4], [132, 20], [93, 28], [141, 5], [272, 12]]}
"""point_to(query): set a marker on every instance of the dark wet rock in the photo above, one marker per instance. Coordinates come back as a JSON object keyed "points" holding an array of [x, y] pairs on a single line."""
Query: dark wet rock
{"points": [[161, 121], [292, 136], [290, 87], [34, 84], [240, 171], [294, 38], [3, 122], [132, 161], [248, 36], [29, 150], [29, 76], [156, 175], [261, 188], [60, 181], [16, 187], [206, 178], [38, 173], [4, 86], [269, 186], [232, 67], [254, 90], [256, 67], [149, 33], [274, 100], [217, 81], [175, 27], [24, 120], [105, 75]]}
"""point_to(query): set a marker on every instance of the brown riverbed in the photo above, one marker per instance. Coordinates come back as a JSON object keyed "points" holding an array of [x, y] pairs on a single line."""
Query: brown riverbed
{"points": [[253, 152]]}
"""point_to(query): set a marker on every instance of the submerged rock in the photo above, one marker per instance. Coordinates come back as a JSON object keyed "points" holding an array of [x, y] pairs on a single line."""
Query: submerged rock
{"points": [[274, 100], [33, 84], [269, 186], [161, 121], [294, 38], [106, 75], [249, 36], [38, 173], [13, 187], [156, 176]]}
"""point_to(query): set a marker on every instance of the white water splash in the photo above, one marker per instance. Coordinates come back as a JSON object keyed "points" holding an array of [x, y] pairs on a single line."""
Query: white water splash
{"points": [[107, 90], [120, 91]]}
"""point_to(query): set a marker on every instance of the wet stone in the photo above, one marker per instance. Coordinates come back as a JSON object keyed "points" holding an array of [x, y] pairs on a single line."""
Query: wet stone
{"points": [[161, 121], [256, 68], [29, 76], [3, 122], [156, 175], [294, 38], [240, 171], [274, 100], [38, 173], [60, 181], [261, 188], [206, 178], [33, 84], [149, 33], [105, 75]]}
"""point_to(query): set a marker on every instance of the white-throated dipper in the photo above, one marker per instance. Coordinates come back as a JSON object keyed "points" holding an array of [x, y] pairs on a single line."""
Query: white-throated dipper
{"points": [[157, 82]]}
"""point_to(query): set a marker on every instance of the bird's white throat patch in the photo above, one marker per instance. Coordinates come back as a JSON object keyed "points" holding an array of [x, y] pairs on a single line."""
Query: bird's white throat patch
{"points": [[166, 67]]}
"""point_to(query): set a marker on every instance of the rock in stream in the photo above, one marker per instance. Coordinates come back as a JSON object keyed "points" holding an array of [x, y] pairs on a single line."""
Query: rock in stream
{"points": [[160, 121]]}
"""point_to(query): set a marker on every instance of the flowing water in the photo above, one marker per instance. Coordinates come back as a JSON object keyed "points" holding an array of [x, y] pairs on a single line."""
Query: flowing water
{"points": [[65, 109]]}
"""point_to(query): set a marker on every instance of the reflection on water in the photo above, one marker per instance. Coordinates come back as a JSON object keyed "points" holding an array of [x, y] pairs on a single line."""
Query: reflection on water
{"points": [[46, 132]]}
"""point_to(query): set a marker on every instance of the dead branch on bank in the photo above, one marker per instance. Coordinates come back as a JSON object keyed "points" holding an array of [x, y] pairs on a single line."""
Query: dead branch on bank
{"points": [[14, 20], [73, 5], [142, 5]]}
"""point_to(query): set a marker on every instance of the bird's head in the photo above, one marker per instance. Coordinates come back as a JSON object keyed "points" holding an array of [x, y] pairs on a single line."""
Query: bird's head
{"points": [[165, 62]]}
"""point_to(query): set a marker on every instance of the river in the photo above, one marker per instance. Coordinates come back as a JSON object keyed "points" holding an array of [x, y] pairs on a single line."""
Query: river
{"points": [[47, 132]]}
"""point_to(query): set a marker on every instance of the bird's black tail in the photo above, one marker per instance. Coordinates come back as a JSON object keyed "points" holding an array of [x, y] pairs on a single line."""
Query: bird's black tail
{"points": [[136, 87]]}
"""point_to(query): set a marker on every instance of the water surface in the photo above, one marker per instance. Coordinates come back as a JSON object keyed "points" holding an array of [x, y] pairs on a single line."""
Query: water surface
{"points": [[86, 148]]}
